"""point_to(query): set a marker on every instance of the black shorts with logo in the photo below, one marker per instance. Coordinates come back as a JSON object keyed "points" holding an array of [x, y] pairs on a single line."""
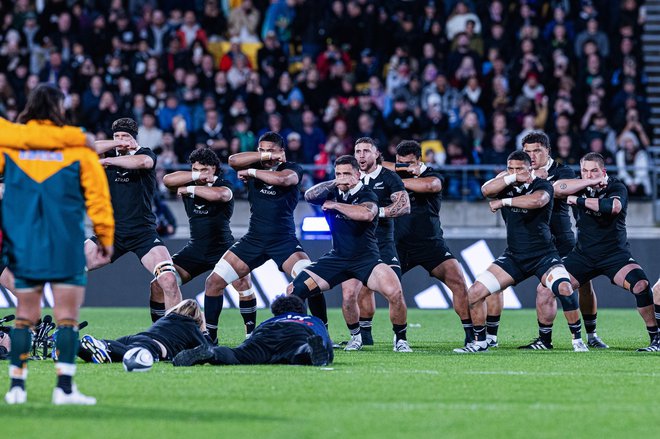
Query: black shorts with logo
{"points": [[429, 254], [254, 251], [335, 269], [389, 255], [140, 244], [520, 268], [196, 260], [583, 268]]}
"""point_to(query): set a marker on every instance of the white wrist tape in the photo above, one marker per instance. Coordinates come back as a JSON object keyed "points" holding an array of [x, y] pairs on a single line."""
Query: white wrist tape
{"points": [[506, 201], [265, 156], [196, 175], [191, 190], [381, 212], [510, 179], [252, 172]]}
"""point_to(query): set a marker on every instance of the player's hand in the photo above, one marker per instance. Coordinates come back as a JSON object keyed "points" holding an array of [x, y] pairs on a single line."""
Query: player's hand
{"points": [[344, 180], [540, 173], [206, 177], [182, 192], [495, 205], [125, 145], [104, 252], [571, 200], [523, 177], [415, 170], [243, 175], [329, 205], [105, 162], [278, 157]]}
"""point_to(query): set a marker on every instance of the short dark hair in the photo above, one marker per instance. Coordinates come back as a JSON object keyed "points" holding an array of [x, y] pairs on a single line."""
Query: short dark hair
{"points": [[520, 155], [368, 140], [594, 157], [273, 137], [537, 137], [126, 125], [347, 160], [43, 103], [207, 157], [284, 304], [408, 147]]}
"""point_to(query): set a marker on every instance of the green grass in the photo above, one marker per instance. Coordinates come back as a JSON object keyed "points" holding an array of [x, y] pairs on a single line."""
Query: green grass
{"points": [[372, 393]]}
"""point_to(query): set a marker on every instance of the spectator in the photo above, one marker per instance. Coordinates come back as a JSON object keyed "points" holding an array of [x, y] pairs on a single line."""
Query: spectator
{"points": [[213, 134], [190, 31], [312, 137], [149, 135], [243, 22], [401, 122], [594, 34], [632, 155]]}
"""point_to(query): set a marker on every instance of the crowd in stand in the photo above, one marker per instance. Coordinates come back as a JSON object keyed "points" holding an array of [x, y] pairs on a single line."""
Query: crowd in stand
{"points": [[468, 79]]}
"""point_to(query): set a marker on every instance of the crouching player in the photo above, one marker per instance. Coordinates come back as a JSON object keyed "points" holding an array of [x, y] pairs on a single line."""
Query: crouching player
{"points": [[526, 206], [180, 329], [43, 214], [291, 337], [351, 209]]}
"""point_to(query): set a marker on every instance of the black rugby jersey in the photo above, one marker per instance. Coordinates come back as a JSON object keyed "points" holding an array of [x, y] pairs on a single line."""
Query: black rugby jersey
{"points": [[423, 222], [176, 333], [209, 221], [384, 183]]}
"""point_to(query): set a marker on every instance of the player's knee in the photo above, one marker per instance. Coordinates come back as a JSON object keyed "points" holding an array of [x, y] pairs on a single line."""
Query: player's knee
{"points": [[214, 285], [569, 303], [558, 281], [656, 289], [224, 270], [242, 284], [167, 276], [565, 289], [637, 281], [305, 286], [299, 266], [486, 281]]}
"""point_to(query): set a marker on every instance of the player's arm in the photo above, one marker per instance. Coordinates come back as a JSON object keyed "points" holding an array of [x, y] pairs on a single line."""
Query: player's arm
{"points": [[103, 146], [318, 193], [137, 161], [97, 199], [566, 187], [535, 200], [357, 212], [611, 205], [244, 160], [494, 186], [286, 177], [213, 194], [428, 185], [177, 179], [400, 206]]}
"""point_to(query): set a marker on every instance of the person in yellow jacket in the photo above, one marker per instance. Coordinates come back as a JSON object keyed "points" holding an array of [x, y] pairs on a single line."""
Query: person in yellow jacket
{"points": [[46, 195]]}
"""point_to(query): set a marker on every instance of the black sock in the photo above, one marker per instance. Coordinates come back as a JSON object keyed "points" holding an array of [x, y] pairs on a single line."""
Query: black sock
{"points": [[212, 310], [545, 332], [249, 314], [492, 325], [365, 323], [157, 310], [64, 383], [400, 331], [576, 329], [468, 328], [318, 308], [353, 328], [17, 382], [653, 331], [590, 322], [479, 333], [656, 308]]}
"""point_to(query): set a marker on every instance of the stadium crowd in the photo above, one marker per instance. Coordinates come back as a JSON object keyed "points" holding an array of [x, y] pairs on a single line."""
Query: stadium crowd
{"points": [[468, 79]]}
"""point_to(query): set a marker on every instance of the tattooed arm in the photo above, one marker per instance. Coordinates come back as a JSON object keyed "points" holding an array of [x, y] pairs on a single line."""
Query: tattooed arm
{"points": [[400, 205], [564, 188], [317, 194]]}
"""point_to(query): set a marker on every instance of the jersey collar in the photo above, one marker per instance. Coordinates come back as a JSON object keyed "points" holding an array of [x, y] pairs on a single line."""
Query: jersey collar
{"points": [[549, 164], [371, 175], [215, 178], [353, 191]]}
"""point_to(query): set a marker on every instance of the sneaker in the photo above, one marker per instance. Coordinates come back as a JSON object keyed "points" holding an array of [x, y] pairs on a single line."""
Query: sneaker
{"points": [[73, 398], [653, 347], [473, 347], [401, 346], [337, 345], [492, 341], [367, 338], [319, 354], [16, 395], [97, 349], [538, 345], [579, 346], [596, 342], [199, 355], [354, 344]]}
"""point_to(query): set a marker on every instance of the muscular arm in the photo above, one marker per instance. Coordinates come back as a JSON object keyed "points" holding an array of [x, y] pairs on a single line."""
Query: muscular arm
{"points": [[564, 188], [140, 161], [608, 206], [278, 178], [318, 193], [243, 160], [495, 185], [357, 212], [535, 200], [103, 146], [177, 179], [431, 185], [400, 205], [209, 193]]}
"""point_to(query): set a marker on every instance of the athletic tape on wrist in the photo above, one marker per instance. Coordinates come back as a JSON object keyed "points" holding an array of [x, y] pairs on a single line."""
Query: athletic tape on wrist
{"points": [[252, 172], [510, 179], [506, 201], [381, 212], [191, 191], [196, 175]]}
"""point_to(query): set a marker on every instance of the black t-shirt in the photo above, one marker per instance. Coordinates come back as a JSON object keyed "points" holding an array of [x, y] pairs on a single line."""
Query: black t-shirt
{"points": [[600, 235], [528, 230], [353, 239], [176, 333], [272, 207], [209, 221], [423, 222], [132, 192], [560, 221], [384, 185]]}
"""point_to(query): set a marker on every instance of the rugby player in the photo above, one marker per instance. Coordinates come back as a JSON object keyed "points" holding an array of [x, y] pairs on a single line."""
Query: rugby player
{"points": [[131, 172], [291, 337], [537, 145], [351, 209], [273, 192], [419, 236], [525, 202], [179, 329], [43, 209], [209, 204], [601, 204], [393, 202]]}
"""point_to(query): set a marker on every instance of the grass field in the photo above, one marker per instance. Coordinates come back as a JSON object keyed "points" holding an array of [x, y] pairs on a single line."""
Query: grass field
{"points": [[372, 393]]}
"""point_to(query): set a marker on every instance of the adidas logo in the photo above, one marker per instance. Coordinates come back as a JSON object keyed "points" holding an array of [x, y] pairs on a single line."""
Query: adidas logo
{"points": [[299, 247], [631, 260], [554, 260], [395, 259], [447, 254], [156, 240]]}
